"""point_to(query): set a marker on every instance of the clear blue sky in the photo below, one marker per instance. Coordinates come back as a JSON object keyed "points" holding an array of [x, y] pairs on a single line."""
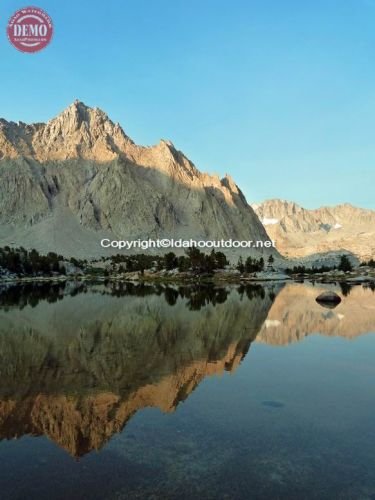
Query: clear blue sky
{"points": [[280, 94]]}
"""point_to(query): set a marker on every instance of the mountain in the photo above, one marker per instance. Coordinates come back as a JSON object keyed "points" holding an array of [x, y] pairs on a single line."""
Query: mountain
{"points": [[66, 184], [299, 232]]}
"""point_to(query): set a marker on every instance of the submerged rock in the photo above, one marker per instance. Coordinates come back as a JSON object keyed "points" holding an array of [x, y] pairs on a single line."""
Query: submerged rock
{"points": [[328, 299]]}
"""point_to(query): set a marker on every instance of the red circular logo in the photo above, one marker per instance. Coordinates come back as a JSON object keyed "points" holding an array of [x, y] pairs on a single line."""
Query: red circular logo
{"points": [[30, 29]]}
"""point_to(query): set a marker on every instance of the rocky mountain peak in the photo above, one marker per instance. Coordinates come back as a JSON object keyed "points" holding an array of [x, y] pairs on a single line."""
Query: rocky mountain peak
{"points": [[80, 131], [78, 113], [78, 178], [229, 183], [167, 143], [77, 132]]}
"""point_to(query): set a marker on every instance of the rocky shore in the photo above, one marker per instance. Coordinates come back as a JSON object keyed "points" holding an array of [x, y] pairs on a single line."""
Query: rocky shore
{"points": [[360, 275]]}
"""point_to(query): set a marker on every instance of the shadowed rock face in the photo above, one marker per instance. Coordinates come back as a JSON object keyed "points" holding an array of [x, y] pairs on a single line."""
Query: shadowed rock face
{"points": [[76, 370], [68, 183]]}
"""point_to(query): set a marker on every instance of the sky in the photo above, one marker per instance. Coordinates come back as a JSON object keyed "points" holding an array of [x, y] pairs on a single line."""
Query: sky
{"points": [[280, 95]]}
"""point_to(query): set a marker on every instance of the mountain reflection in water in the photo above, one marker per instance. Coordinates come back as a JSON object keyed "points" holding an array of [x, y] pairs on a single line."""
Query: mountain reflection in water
{"points": [[77, 361]]}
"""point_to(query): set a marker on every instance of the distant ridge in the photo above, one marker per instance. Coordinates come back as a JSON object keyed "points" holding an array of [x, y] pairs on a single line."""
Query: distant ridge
{"points": [[300, 232]]}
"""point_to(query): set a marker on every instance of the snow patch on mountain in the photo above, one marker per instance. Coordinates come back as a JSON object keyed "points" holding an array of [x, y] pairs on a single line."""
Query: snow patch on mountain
{"points": [[269, 222]]}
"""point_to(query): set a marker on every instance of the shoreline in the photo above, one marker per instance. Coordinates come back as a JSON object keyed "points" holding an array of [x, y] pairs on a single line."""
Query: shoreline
{"points": [[223, 278]]}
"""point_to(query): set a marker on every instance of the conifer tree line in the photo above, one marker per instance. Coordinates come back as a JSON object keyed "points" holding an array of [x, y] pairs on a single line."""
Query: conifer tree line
{"points": [[31, 263]]}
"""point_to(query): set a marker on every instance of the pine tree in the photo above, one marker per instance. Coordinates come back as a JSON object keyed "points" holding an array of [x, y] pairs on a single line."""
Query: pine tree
{"points": [[240, 265], [345, 264]]}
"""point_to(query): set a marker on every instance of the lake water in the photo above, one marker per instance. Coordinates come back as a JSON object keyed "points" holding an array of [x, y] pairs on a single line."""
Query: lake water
{"points": [[122, 391]]}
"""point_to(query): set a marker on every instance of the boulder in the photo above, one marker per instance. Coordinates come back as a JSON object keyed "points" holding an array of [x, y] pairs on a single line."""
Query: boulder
{"points": [[329, 298]]}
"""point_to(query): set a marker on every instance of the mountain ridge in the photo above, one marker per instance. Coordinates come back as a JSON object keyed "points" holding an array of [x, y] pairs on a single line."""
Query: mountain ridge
{"points": [[300, 232], [79, 178]]}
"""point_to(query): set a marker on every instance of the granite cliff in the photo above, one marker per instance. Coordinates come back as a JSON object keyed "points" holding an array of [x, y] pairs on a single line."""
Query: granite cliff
{"points": [[68, 183]]}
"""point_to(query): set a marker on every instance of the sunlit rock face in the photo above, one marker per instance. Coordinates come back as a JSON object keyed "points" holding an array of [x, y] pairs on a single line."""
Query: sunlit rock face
{"points": [[68, 183], [300, 232], [76, 366]]}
